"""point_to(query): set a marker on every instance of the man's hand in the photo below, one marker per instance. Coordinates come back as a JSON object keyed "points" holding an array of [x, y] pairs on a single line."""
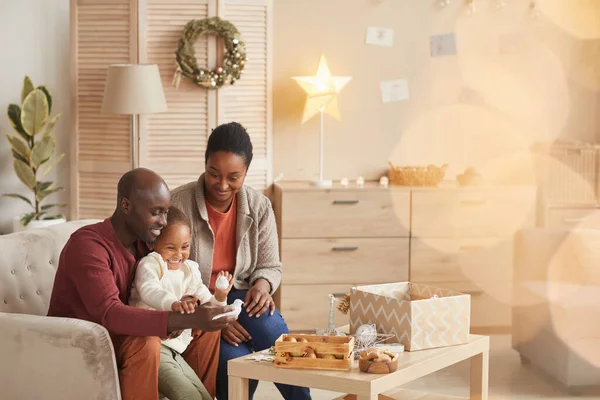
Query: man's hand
{"points": [[258, 300], [202, 319], [235, 334]]}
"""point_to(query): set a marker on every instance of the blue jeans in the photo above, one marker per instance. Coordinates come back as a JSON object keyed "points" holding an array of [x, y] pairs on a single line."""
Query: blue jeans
{"points": [[264, 331]]}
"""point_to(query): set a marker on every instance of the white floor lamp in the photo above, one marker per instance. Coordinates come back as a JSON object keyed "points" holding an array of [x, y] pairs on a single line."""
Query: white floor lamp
{"points": [[321, 98], [133, 89]]}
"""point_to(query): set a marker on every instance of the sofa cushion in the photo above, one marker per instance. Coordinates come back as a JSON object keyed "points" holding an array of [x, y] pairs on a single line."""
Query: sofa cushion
{"points": [[28, 265]]}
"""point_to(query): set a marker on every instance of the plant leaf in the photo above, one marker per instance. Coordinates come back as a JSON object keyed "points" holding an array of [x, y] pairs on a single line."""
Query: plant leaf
{"points": [[34, 113], [24, 173], [27, 88], [19, 196], [48, 97], [51, 124], [21, 148], [42, 151], [14, 116], [51, 165], [49, 206], [42, 195], [26, 219], [19, 157], [56, 216], [41, 186]]}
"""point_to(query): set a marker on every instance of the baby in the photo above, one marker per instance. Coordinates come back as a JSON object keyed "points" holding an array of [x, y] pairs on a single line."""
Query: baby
{"points": [[167, 280]]}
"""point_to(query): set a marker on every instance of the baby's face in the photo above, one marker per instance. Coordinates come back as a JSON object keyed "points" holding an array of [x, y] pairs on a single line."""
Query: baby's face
{"points": [[173, 245]]}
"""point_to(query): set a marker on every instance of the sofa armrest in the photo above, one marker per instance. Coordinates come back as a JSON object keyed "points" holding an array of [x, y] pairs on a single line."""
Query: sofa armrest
{"points": [[56, 358]]}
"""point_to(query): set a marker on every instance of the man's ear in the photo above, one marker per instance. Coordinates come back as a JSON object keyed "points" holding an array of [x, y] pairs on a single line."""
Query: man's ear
{"points": [[125, 205]]}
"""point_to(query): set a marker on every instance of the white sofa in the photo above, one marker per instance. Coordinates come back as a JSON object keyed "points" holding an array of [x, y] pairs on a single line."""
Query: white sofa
{"points": [[42, 357], [556, 315]]}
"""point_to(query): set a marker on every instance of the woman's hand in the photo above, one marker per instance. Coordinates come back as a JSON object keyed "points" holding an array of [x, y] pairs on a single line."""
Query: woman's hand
{"points": [[258, 299], [235, 334]]}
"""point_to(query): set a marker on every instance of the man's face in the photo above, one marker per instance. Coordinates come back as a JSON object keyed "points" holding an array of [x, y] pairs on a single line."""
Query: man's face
{"points": [[147, 212]]}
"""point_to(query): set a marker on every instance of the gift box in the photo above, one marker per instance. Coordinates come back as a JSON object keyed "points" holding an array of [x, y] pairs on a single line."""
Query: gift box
{"points": [[420, 316]]}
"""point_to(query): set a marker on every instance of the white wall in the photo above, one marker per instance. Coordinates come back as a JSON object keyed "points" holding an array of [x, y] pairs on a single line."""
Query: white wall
{"points": [[35, 42]]}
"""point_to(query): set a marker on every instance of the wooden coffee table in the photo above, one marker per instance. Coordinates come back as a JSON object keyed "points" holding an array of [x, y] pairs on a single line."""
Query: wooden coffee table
{"points": [[412, 365]]}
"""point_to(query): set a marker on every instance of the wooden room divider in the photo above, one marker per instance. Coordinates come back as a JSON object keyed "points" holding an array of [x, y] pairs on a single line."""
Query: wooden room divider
{"points": [[105, 32]]}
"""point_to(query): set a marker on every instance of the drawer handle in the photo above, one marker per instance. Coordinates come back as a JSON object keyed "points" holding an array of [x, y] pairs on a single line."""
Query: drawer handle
{"points": [[472, 202], [344, 248], [345, 202], [473, 292], [573, 220]]}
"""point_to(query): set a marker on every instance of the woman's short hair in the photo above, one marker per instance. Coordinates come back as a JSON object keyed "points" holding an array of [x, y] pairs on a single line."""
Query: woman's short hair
{"points": [[176, 216], [232, 138]]}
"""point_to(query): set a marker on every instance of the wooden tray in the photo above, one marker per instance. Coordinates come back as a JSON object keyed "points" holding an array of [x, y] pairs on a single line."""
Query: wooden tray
{"points": [[337, 349]]}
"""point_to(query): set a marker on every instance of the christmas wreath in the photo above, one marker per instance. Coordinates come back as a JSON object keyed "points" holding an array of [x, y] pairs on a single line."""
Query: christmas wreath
{"points": [[234, 57]]}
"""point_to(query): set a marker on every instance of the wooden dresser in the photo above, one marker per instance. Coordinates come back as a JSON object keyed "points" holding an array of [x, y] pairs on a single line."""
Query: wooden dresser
{"points": [[570, 216], [462, 239], [336, 238], [457, 238]]}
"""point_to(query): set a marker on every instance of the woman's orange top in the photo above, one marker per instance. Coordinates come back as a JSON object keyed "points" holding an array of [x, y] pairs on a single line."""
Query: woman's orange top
{"points": [[225, 248]]}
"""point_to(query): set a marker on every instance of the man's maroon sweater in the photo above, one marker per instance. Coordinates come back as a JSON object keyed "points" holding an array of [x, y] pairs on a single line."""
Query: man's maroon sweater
{"points": [[93, 281]]}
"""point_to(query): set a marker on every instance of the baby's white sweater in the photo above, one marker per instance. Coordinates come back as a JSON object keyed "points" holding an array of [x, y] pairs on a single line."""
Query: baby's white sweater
{"points": [[154, 288]]}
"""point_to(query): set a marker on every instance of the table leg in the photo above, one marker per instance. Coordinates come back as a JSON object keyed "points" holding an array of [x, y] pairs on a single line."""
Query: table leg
{"points": [[238, 388], [480, 366]]}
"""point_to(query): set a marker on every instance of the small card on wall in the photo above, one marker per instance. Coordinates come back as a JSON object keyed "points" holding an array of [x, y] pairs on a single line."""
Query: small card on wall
{"points": [[442, 45], [396, 90], [380, 36]]}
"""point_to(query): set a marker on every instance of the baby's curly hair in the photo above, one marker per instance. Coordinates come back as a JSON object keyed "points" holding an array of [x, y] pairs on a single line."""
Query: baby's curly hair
{"points": [[176, 216]]}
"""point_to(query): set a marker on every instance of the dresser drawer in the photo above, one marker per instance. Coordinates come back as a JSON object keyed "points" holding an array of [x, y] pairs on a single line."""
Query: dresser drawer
{"points": [[461, 260], [490, 306], [345, 260], [568, 218], [345, 213], [470, 212], [306, 307]]}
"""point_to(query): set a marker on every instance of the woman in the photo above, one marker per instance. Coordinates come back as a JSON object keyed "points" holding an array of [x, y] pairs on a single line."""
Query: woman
{"points": [[234, 230]]}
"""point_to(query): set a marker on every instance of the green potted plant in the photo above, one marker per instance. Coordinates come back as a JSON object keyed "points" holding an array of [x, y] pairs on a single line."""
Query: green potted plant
{"points": [[33, 155]]}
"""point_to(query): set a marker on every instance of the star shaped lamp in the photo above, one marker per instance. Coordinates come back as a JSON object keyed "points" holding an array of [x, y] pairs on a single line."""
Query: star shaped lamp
{"points": [[321, 98]]}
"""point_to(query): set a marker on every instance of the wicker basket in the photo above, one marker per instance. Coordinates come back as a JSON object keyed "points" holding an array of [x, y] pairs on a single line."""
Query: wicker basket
{"points": [[430, 175]]}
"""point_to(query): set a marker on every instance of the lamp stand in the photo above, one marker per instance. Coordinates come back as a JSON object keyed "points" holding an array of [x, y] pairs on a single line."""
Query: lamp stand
{"points": [[323, 183], [134, 142]]}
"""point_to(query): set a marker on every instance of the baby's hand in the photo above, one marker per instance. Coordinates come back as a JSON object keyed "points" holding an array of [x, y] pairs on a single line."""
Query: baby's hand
{"points": [[183, 307], [223, 285]]}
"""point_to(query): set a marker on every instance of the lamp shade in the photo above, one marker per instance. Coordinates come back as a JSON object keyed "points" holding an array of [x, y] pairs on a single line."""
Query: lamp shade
{"points": [[133, 89]]}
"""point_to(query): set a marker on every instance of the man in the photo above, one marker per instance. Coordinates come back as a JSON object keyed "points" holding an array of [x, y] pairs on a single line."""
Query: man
{"points": [[93, 281]]}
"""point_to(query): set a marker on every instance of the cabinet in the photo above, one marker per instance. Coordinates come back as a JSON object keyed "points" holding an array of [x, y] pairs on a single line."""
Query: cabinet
{"points": [[332, 239], [451, 237]]}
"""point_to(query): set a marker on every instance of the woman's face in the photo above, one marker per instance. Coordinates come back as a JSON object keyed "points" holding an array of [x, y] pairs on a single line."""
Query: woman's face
{"points": [[224, 177]]}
